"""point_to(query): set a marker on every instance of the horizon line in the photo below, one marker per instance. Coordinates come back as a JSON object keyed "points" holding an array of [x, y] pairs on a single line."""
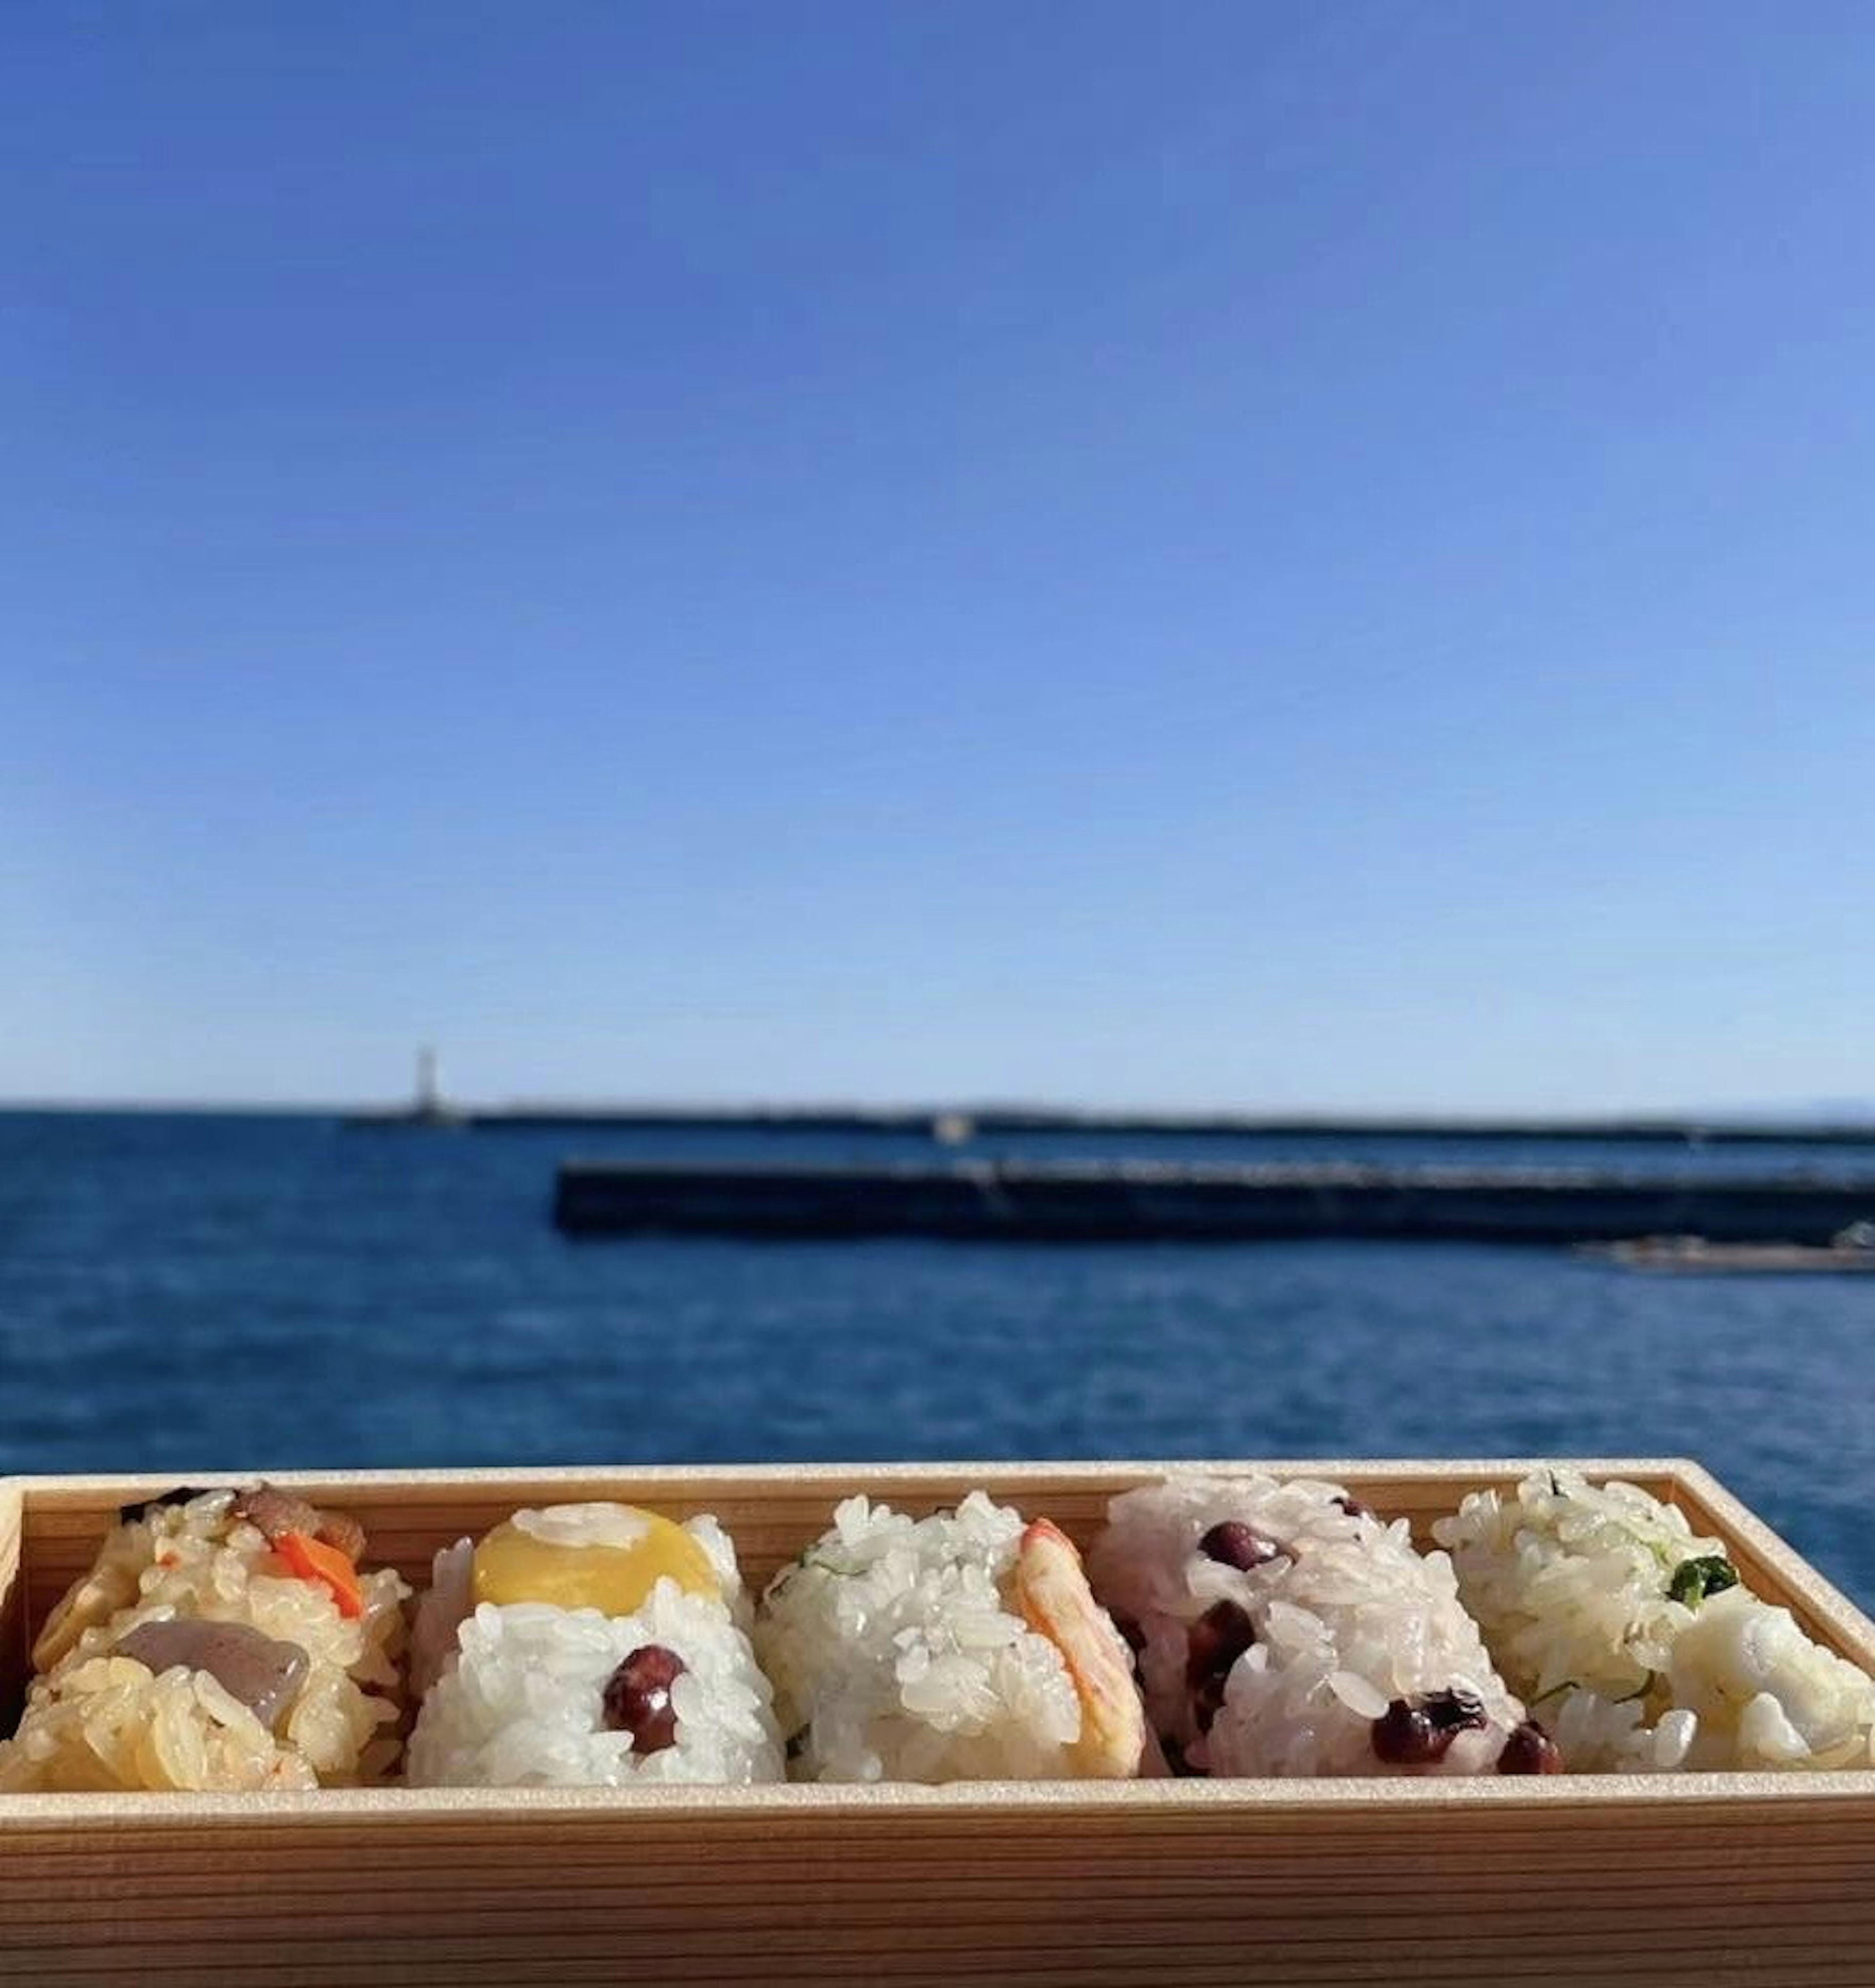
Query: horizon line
{"points": [[1805, 1119]]}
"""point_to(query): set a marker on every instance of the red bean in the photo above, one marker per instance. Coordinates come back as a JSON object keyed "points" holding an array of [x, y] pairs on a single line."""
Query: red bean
{"points": [[1530, 1750], [1207, 1701], [1232, 1543], [1215, 1641], [1355, 1509], [637, 1698], [1415, 1733]]}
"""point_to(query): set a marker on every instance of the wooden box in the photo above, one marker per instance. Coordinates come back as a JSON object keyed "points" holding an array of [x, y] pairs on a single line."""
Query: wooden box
{"points": [[1762, 1879]]}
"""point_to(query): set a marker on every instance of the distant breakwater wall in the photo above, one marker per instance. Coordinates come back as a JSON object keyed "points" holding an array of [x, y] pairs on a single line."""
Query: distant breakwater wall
{"points": [[1143, 1202], [954, 1123]]}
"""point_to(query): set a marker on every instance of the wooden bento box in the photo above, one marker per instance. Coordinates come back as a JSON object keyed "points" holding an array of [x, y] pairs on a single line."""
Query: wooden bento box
{"points": [[1764, 1878]]}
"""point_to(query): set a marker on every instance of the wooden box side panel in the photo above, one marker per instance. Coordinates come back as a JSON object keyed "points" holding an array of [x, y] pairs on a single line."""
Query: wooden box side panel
{"points": [[1676, 1894], [14, 1613]]}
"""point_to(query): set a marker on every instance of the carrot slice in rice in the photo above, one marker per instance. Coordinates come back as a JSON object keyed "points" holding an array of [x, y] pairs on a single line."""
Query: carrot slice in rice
{"points": [[313, 1560]]}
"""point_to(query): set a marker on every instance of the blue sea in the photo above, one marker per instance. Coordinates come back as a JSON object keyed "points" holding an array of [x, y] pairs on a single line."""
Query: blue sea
{"points": [[185, 1293]]}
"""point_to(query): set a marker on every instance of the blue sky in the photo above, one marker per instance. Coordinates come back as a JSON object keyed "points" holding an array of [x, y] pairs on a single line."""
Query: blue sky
{"points": [[1287, 556]]}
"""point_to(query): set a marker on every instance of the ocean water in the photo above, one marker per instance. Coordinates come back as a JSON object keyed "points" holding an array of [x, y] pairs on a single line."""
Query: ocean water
{"points": [[186, 1294]]}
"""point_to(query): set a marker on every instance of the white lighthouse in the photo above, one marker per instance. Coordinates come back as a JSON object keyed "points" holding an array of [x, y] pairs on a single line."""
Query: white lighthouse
{"points": [[428, 1107]]}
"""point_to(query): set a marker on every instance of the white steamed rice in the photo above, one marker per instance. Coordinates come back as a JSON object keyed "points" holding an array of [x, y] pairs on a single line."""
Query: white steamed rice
{"points": [[896, 1654], [513, 1696]]}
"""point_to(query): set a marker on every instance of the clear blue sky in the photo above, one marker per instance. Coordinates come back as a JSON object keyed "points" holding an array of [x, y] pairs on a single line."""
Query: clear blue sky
{"points": [[1278, 556]]}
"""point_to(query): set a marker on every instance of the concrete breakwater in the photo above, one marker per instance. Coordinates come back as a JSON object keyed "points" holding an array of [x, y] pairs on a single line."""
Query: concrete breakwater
{"points": [[1144, 1202], [948, 1122]]}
